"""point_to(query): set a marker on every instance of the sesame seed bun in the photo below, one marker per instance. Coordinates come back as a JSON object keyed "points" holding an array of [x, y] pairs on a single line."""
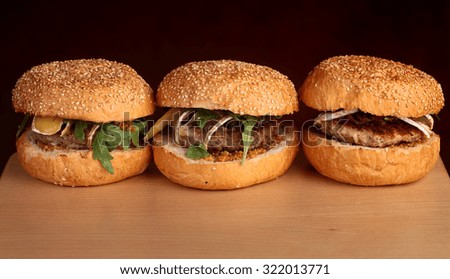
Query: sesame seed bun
{"points": [[77, 167], [379, 87], [368, 166], [95, 90], [208, 175], [240, 87], [374, 85]]}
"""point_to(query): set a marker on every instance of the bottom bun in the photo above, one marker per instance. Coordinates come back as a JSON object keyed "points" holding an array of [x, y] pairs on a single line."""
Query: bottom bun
{"points": [[77, 167], [202, 174], [370, 166]]}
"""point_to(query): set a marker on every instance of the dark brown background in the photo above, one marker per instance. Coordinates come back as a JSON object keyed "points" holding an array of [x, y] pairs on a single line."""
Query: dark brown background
{"points": [[155, 38]]}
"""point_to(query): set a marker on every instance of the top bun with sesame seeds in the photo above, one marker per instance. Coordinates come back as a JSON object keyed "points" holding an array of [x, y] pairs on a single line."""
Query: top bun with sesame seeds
{"points": [[374, 85], [95, 90], [240, 87], [88, 122], [377, 127], [226, 129]]}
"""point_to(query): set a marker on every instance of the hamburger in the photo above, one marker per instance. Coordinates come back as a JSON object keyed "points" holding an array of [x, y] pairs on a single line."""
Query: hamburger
{"points": [[376, 122], [86, 122], [225, 127]]}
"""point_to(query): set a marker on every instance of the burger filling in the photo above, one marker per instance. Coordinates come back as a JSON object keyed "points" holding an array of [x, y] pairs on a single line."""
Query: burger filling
{"points": [[52, 133], [359, 128], [222, 135]]}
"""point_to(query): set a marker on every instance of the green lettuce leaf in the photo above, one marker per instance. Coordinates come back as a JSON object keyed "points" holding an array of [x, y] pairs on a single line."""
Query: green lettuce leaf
{"points": [[110, 137], [114, 136], [80, 125], [135, 137], [197, 151], [247, 137], [204, 115], [101, 152], [139, 128], [248, 121], [22, 125]]}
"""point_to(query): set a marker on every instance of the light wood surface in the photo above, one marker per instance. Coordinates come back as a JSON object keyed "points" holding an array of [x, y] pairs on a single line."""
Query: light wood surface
{"points": [[299, 215]]}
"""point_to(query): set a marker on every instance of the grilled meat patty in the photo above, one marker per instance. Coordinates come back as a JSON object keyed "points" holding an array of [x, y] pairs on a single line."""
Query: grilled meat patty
{"points": [[229, 137], [58, 142], [369, 130]]}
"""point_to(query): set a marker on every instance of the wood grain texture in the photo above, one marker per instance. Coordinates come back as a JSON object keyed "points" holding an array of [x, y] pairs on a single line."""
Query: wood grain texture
{"points": [[299, 215]]}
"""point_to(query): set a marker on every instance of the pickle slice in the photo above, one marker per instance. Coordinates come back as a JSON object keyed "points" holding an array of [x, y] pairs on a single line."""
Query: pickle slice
{"points": [[46, 125]]}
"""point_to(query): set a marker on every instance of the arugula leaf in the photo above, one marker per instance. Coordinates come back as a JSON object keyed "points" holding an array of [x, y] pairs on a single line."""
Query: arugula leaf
{"points": [[247, 137], [80, 125], [204, 115], [248, 121], [125, 142], [113, 135], [110, 136], [135, 137], [197, 151], [138, 128], [22, 125], [101, 152], [245, 117], [141, 126]]}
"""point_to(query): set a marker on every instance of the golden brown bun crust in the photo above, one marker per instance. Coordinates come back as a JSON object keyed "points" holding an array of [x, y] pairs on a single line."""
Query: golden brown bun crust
{"points": [[370, 166], [95, 90], [77, 168], [373, 85], [206, 175], [240, 87]]}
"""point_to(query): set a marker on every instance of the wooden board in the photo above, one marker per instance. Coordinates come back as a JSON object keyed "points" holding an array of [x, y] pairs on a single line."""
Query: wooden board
{"points": [[299, 215]]}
